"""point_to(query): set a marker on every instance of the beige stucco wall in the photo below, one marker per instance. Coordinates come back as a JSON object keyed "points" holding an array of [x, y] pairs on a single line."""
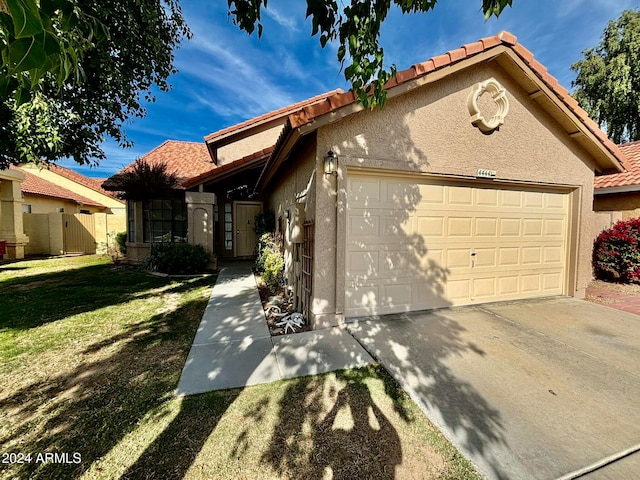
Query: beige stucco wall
{"points": [[626, 203], [116, 207], [293, 189], [246, 146], [429, 130], [11, 226], [40, 204]]}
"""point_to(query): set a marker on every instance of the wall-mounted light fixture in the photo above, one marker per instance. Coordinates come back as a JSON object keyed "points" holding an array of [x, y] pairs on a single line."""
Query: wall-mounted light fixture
{"points": [[330, 162]]}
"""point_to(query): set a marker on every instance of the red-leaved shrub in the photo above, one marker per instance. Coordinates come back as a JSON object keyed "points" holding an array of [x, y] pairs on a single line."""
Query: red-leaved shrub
{"points": [[616, 253]]}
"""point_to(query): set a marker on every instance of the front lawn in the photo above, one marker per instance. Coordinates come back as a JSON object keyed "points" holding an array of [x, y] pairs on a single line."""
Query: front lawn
{"points": [[91, 354]]}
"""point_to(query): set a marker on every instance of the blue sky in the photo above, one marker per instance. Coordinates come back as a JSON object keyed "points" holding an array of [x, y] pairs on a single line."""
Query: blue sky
{"points": [[227, 76]]}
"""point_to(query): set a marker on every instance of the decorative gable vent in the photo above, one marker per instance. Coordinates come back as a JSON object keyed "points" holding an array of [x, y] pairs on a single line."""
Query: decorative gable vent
{"points": [[499, 96]]}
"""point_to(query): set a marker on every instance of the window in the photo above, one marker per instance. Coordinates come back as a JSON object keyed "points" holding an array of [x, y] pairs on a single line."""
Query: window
{"points": [[228, 227], [131, 221], [60, 210], [85, 212], [216, 223], [26, 208], [164, 221]]}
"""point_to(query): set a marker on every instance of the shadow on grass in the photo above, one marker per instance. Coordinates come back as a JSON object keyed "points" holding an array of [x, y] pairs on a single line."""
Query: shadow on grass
{"points": [[321, 429], [175, 449], [93, 407], [61, 294]]}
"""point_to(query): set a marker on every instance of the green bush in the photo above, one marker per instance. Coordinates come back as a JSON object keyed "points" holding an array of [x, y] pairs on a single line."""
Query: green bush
{"points": [[270, 262], [176, 258], [264, 222], [616, 253], [121, 241]]}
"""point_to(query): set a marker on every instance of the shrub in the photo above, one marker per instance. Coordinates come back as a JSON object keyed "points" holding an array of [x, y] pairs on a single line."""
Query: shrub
{"points": [[616, 253], [270, 262], [121, 241], [176, 258], [264, 222]]}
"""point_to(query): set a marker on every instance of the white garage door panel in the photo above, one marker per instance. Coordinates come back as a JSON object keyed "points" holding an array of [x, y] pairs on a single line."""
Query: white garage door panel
{"points": [[413, 245]]}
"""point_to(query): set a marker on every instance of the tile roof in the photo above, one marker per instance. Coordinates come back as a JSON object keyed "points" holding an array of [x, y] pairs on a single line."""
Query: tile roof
{"points": [[333, 102], [624, 179], [281, 112], [39, 186], [254, 159], [185, 159], [92, 183]]}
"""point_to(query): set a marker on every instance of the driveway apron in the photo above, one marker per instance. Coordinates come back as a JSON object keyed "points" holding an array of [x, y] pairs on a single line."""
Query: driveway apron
{"points": [[527, 390]]}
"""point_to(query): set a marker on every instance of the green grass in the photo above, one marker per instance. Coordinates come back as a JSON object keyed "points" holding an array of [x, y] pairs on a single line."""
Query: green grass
{"points": [[91, 355]]}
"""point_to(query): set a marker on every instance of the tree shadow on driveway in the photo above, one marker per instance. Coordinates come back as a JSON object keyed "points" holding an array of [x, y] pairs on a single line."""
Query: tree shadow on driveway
{"points": [[415, 347]]}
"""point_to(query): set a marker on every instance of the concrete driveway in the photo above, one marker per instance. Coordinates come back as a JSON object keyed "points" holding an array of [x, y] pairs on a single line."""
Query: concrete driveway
{"points": [[537, 389]]}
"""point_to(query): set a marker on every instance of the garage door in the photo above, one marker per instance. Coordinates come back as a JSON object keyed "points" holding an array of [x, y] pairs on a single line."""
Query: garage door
{"points": [[413, 245]]}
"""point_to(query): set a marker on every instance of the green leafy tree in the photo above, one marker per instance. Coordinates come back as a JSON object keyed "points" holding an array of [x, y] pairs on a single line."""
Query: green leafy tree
{"points": [[608, 79], [73, 71], [356, 27]]}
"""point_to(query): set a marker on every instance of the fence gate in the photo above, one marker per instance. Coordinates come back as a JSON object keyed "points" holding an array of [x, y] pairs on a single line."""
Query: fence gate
{"points": [[307, 267], [78, 233]]}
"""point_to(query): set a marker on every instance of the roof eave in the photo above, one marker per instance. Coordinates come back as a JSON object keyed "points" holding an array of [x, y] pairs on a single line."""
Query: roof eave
{"points": [[537, 89], [619, 189]]}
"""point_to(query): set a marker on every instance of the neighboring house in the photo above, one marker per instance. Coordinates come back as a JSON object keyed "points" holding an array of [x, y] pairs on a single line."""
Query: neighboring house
{"points": [[56, 188], [12, 233], [66, 212], [474, 184], [619, 193]]}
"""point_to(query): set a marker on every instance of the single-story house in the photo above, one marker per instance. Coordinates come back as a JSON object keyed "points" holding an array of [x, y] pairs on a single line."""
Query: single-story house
{"points": [[12, 233], [56, 188], [619, 193], [474, 184]]}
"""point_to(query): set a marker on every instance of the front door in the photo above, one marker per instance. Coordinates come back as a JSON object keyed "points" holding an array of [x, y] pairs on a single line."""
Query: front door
{"points": [[246, 238]]}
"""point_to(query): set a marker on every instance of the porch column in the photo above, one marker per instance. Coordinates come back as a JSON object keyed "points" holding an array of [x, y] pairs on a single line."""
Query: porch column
{"points": [[11, 226], [200, 221]]}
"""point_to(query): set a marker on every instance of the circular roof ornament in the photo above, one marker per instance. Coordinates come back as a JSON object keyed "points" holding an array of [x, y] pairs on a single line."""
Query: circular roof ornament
{"points": [[498, 95]]}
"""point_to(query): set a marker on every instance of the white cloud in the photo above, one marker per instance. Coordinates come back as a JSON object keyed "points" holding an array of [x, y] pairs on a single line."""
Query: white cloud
{"points": [[282, 20]]}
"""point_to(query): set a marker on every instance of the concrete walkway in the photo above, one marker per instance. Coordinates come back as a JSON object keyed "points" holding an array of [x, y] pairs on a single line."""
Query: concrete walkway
{"points": [[233, 346]]}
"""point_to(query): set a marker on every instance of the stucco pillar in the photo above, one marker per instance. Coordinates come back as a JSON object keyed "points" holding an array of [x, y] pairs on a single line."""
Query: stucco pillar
{"points": [[11, 226], [200, 221]]}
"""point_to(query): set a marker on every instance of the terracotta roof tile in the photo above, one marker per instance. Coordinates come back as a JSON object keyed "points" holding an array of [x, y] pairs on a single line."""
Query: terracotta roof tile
{"points": [[92, 183], [473, 48], [524, 53], [281, 112], [423, 67], [508, 38], [185, 159], [457, 54], [624, 179], [441, 60], [35, 185], [257, 157], [489, 42], [307, 115]]}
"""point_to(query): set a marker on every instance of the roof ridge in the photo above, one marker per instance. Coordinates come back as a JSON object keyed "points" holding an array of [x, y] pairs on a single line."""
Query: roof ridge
{"points": [[273, 113]]}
